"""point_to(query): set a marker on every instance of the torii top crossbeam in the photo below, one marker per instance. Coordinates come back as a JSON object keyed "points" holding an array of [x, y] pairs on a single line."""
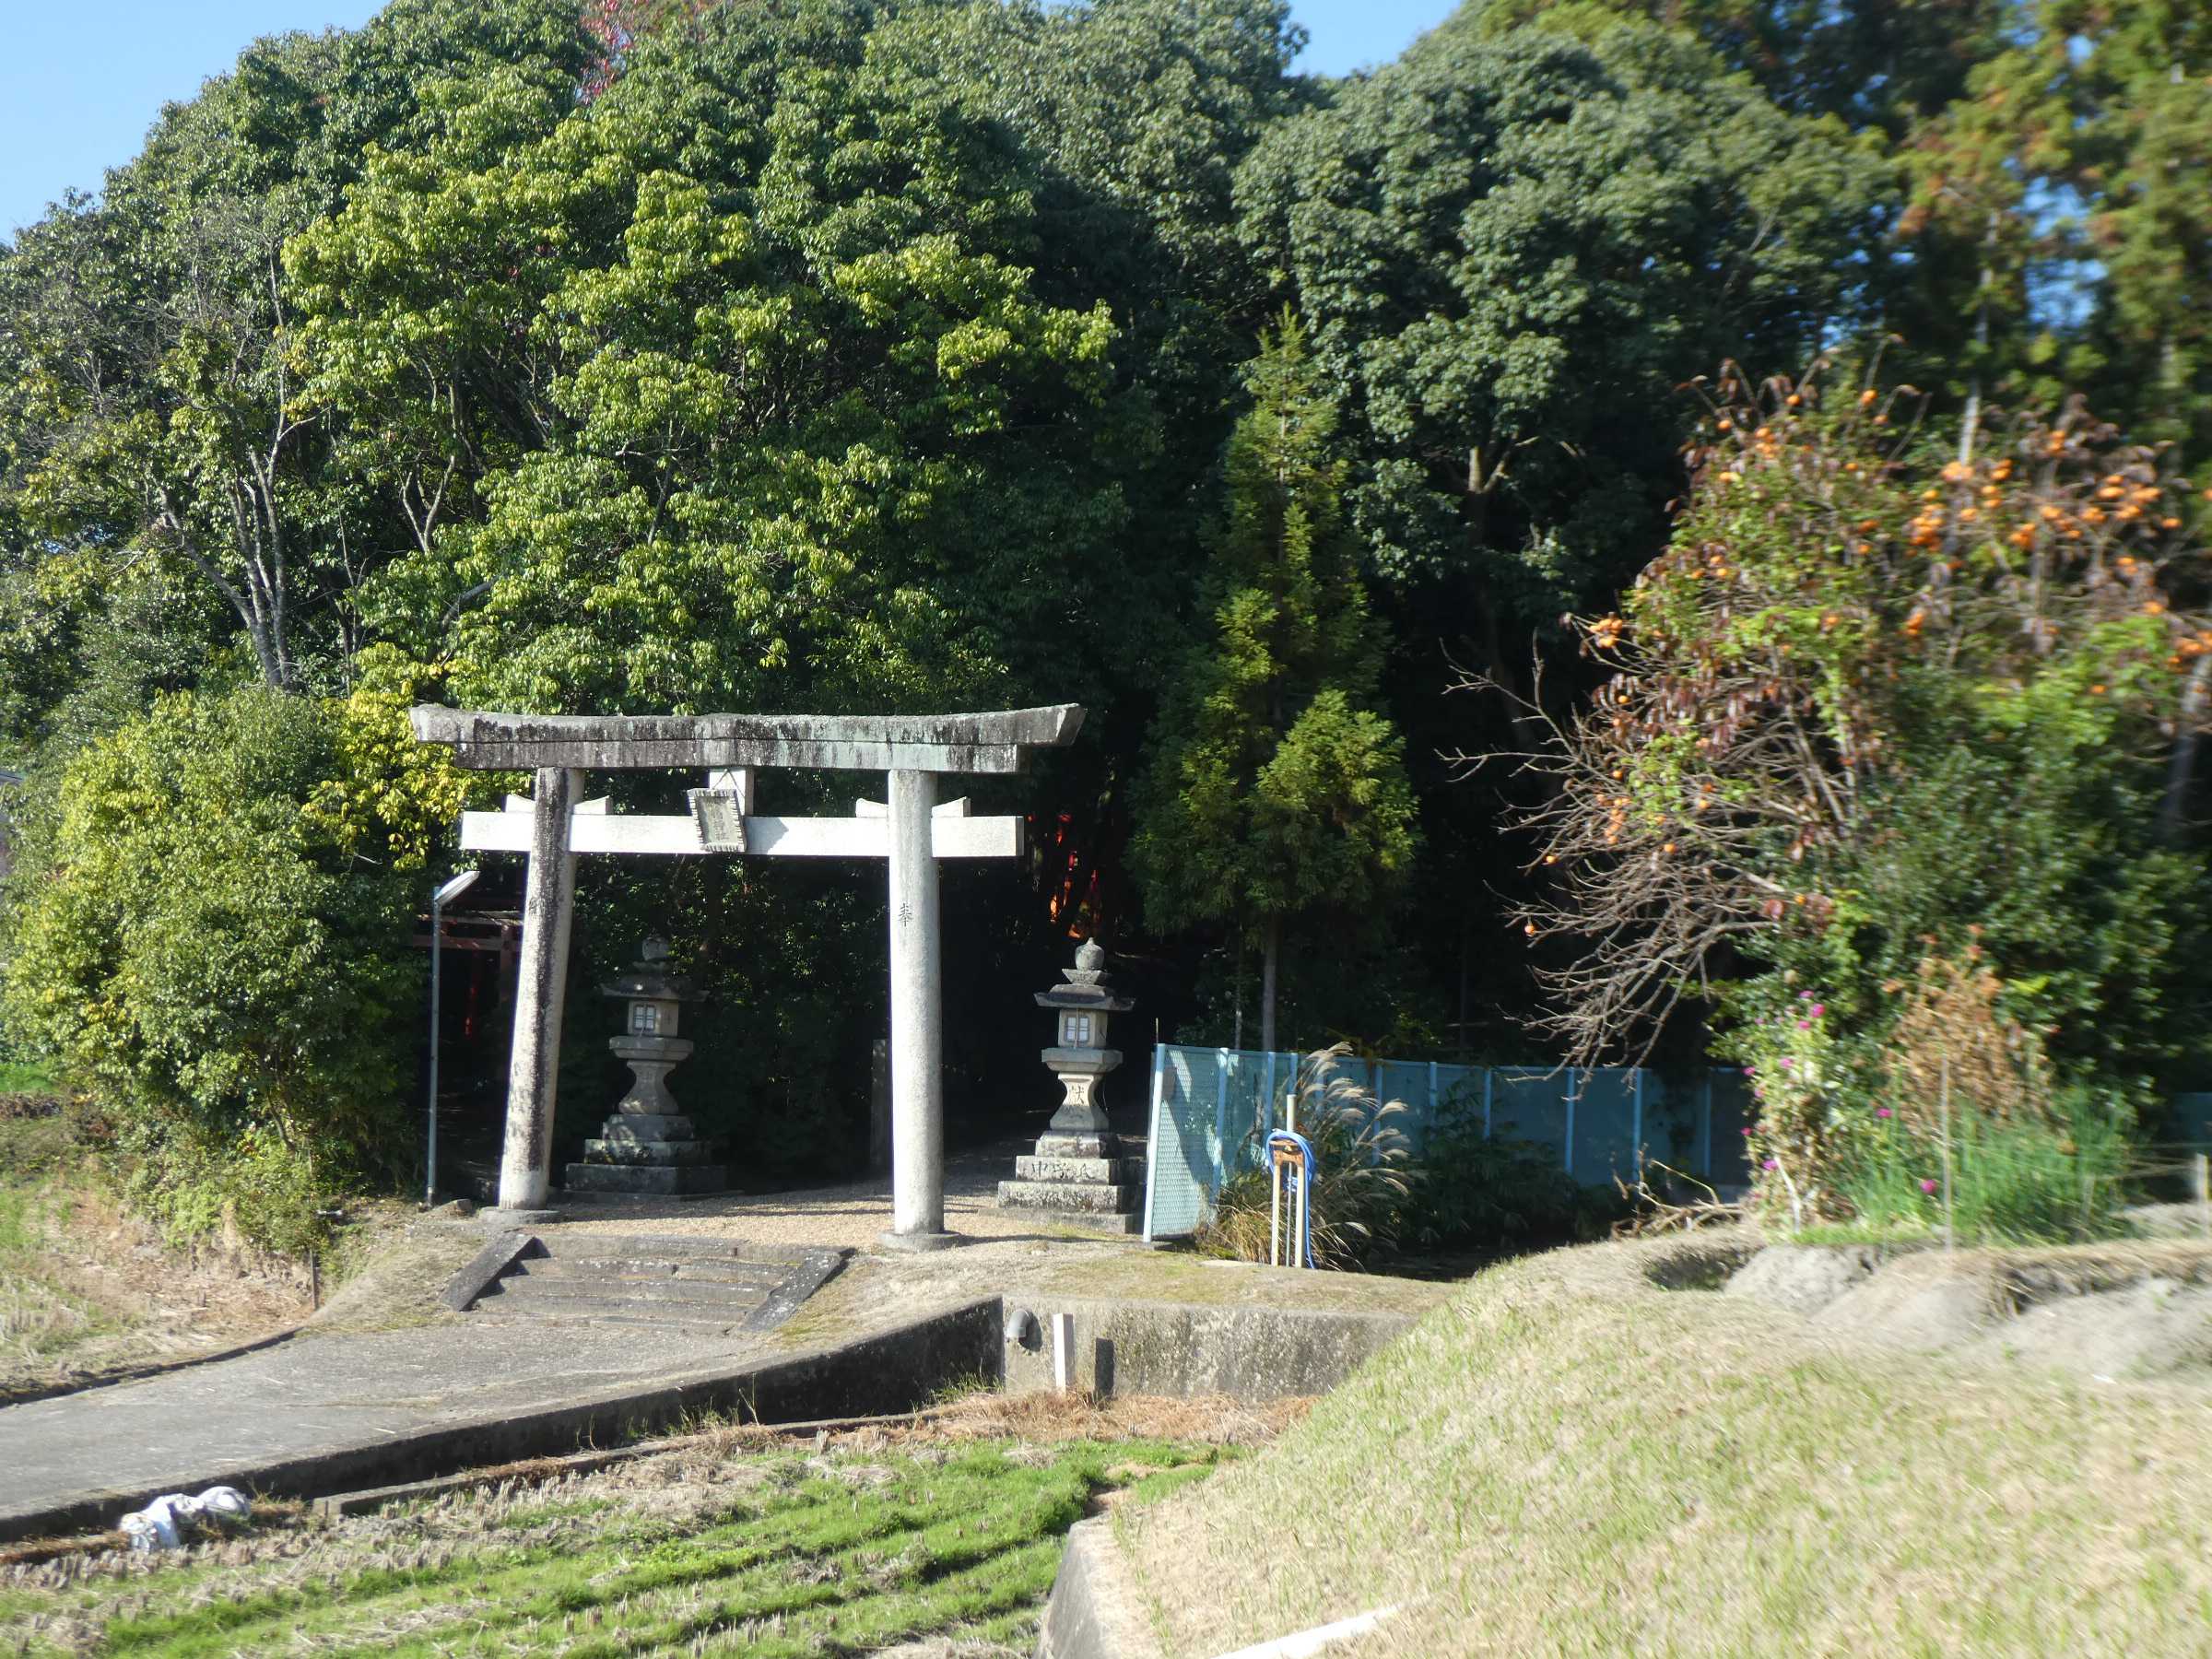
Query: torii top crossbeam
{"points": [[933, 743]]}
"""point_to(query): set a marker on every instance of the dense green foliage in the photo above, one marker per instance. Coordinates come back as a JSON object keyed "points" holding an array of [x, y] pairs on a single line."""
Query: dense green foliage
{"points": [[207, 954], [1276, 790], [862, 355], [1895, 730]]}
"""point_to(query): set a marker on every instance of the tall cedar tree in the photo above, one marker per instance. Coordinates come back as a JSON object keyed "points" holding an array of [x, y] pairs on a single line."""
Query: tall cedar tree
{"points": [[1276, 788]]}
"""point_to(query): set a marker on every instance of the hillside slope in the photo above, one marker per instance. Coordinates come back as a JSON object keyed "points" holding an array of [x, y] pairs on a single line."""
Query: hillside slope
{"points": [[1568, 1458]]}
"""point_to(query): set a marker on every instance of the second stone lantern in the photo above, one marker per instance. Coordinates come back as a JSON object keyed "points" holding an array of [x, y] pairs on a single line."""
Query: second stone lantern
{"points": [[1078, 1175], [648, 1147]]}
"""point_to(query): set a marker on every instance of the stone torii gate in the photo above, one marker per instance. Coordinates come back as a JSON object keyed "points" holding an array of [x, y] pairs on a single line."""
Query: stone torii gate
{"points": [[912, 833]]}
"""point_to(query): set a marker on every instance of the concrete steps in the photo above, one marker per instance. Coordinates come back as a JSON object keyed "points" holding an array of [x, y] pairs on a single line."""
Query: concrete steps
{"points": [[701, 1285]]}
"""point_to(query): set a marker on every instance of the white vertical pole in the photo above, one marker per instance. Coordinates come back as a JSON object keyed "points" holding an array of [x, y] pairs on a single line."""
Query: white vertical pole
{"points": [[1566, 1151], [1160, 1075], [1275, 1208], [541, 987], [430, 1177], [1636, 1132], [1064, 1351], [1705, 1125], [917, 1020]]}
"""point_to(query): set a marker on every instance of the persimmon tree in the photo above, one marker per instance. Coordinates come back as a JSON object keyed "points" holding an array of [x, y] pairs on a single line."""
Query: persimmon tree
{"points": [[1875, 701]]}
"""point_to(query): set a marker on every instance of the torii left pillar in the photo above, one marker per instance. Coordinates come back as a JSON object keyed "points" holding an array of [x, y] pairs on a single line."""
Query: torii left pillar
{"points": [[541, 990]]}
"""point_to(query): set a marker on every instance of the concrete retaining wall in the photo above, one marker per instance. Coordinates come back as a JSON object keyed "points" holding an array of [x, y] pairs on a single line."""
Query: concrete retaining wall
{"points": [[1095, 1611], [1184, 1349]]}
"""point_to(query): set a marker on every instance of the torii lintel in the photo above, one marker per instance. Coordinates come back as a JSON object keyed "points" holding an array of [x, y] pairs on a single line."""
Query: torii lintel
{"points": [[992, 742]]}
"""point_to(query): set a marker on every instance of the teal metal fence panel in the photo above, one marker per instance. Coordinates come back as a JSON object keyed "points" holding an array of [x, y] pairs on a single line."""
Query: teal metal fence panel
{"points": [[1212, 1109]]}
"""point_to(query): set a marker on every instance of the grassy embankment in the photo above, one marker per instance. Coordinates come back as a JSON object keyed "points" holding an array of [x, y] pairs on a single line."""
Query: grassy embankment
{"points": [[40, 1313], [868, 1541], [88, 1289], [1570, 1459]]}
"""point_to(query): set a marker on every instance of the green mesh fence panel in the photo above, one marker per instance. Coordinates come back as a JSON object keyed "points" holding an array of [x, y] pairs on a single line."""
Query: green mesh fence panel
{"points": [[1529, 1104], [1609, 1110], [1212, 1109]]}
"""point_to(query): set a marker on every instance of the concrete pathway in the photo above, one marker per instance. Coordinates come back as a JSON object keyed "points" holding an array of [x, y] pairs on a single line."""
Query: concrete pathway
{"points": [[318, 1395], [327, 1402]]}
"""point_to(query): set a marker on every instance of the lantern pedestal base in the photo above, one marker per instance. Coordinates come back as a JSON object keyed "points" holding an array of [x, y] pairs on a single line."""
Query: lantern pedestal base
{"points": [[647, 1180], [648, 1154], [1078, 1176], [1077, 1180]]}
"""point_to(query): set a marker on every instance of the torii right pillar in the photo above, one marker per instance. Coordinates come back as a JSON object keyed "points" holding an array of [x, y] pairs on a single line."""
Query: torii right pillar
{"points": [[917, 1020]]}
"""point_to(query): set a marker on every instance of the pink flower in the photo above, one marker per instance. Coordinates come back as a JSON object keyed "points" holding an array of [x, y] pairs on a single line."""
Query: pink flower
{"points": [[1881, 1112], [1773, 1163], [1804, 1025], [1818, 1009], [1804, 997], [1785, 1063], [1746, 1071], [1928, 1186], [1746, 1131]]}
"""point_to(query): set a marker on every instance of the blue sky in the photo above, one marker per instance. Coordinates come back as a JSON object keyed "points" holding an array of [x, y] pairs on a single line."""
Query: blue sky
{"points": [[80, 83]]}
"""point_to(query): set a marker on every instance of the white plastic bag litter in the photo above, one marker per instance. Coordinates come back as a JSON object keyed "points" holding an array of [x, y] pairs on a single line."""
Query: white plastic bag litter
{"points": [[225, 1507], [170, 1520], [155, 1526]]}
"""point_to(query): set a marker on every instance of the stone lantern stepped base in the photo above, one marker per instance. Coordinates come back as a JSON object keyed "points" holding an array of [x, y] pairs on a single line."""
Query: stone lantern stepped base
{"points": [[646, 1152], [1091, 1172], [647, 1180], [648, 1155], [1075, 1197], [1127, 1224]]}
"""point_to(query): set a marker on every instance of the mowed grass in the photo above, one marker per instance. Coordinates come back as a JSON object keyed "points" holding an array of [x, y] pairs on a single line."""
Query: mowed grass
{"points": [[842, 1550], [1568, 1459]]}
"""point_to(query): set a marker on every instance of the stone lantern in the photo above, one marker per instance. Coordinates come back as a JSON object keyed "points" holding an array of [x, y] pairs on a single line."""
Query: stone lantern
{"points": [[648, 1147], [1077, 1174]]}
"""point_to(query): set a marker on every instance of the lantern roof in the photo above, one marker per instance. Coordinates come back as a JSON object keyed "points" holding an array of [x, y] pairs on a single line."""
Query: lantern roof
{"points": [[1088, 985], [648, 979]]}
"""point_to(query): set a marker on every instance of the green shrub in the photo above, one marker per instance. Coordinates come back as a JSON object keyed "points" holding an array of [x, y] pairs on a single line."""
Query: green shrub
{"points": [[215, 964], [1471, 1191], [2010, 1182]]}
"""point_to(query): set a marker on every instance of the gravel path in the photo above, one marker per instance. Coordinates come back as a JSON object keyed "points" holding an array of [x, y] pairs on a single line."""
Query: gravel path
{"points": [[854, 1215]]}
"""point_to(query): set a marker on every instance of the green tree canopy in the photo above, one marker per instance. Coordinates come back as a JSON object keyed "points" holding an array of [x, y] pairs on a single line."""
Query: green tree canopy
{"points": [[803, 432], [1275, 787], [1510, 251], [225, 963]]}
